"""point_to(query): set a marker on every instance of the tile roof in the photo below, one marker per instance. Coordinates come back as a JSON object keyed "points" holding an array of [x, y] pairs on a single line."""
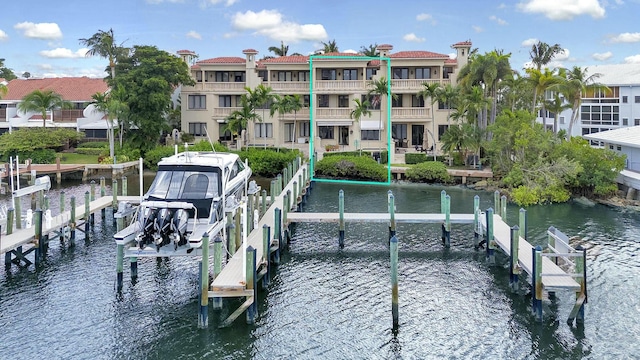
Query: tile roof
{"points": [[292, 59], [249, 51], [341, 54], [629, 136], [71, 88], [417, 55], [462, 43], [451, 61], [189, 52], [223, 60]]}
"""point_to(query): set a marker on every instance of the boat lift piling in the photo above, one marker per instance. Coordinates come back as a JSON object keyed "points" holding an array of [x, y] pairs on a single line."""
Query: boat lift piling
{"points": [[341, 221]]}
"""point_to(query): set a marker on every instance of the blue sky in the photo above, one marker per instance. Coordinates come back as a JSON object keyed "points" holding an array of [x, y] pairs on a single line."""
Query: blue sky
{"points": [[41, 36]]}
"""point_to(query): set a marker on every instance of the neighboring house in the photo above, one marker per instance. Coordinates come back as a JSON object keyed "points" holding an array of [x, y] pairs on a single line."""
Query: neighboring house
{"points": [[626, 141], [602, 110], [76, 90], [221, 81]]}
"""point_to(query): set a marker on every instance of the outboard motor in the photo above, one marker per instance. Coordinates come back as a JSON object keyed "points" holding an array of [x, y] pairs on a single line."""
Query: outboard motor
{"points": [[146, 236], [179, 228], [163, 228]]}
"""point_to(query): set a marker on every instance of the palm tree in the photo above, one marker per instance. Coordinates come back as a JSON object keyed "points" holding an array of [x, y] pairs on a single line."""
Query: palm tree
{"points": [[295, 104], [556, 106], [239, 119], [379, 88], [542, 81], [371, 50], [542, 53], [113, 108], [431, 91], [3, 90], [330, 47], [42, 101], [576, 83], [103, 44], [448, 95], [362, 108], [280, 51], [258, 98]]}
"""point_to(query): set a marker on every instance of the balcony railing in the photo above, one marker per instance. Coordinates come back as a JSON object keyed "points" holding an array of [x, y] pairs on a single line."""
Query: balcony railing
{"points": [[411, 113], [218, 86], [302, 114], [223, 112], [67, 115], [414, 84], [293, 86], [339, 85], [333, 113]]}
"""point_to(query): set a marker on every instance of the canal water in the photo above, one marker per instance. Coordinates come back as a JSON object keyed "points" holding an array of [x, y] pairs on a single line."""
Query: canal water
{"points": [[328, 303]]}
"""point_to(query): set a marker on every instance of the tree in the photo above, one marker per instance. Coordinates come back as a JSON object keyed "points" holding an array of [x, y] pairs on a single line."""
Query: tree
{"points": [[110, 105], [103, 44], [541, 82], [371, 50], [380, 88], [26, 74], [148, 76], [239, 119], [260, 97], [361, 109], [431, 91], [576, 83], [280, 51], [5, 72], [42, 101], [542, 53], [3, 90], [330, 47], [556, 106]]}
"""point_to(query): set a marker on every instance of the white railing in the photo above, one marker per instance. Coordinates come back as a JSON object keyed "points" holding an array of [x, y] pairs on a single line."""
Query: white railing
{"points": [[339, 85], [558, 244], [224, 111], [333, 113], [217, 86], [297, 86], [414, 84], [410, 113]]}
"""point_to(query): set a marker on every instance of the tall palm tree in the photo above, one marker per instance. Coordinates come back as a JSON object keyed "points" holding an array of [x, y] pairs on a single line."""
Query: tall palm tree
{"points": [[103, 44], [295, 104], [431, 91], [448, 95], [371, 50], [113, 108], [556, 106], [42, 101], [542, 81], [576, 83], [380, 88], [3, 90], [280, 51], [362, 108], [542, 53], [330, 47], [258, 98], [239, 119]]}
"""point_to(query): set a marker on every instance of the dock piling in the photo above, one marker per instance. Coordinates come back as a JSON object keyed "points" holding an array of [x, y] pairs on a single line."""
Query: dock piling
{"points": [[503, 208], [114, 189], [393, 245], [392, 214], [72, 221], [252, 310], [491, 256], [514, 269], [523, 223], [277, 235], [496, 200], [203, 314], [216, 302], [341, 221], [87, 214], [263, 203], [119, 266], [266, 254], [536, 253], [41, 244], [103, 192]]}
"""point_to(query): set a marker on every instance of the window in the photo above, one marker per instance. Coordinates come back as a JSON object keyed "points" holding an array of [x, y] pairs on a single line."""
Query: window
{"points": [[399, 131], [400, 73], [285, 76], [199, 76], [374, 101], [263, 75], [619, 148], [197, 102], [350, 74], [328, 74], [443, 105], [303, 130], [238, 76], [264, 130], [397, 102], [417, 133], [637, 99], [198, 129], [224, 101], [370, 134], [611, 146], [417, 101], [446, 71], [288, 132], [441, 130], [625, 122], [371, 72], [343, 101], [303, 76], [597, 114], [224, 135], [423, 73], [306, 100], [325, 132], [636, 122], [323, 100], [561, 120], [625, 99]]}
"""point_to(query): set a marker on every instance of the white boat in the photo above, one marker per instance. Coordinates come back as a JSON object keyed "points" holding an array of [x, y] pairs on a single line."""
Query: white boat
{"points": [[185, 201]]}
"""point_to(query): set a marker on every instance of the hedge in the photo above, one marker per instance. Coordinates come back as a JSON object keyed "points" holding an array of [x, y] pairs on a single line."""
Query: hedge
{"points": [[351, 167], [429, 171]]}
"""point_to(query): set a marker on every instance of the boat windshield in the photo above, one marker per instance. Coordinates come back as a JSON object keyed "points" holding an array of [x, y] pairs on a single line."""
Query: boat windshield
{"points": [[184, 185]]}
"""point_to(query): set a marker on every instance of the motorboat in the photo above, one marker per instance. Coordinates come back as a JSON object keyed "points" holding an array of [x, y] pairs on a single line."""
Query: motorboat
{"points": [[187, 199]]}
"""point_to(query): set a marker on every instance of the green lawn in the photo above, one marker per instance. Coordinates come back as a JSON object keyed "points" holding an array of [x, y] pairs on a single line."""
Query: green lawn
{"points": [[73, 158]]}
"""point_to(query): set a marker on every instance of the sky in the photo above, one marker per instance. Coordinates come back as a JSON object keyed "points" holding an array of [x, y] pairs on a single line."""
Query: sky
{"points": [[42, 36]]}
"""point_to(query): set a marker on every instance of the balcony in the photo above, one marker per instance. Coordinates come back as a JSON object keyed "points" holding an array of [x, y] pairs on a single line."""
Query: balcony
{"points": [[3, 114], [67, 115], [398, 85], [234, 87], [223, 112], [289, 86], [339, 86], [302, 114], [411, 113], [333, 113]]}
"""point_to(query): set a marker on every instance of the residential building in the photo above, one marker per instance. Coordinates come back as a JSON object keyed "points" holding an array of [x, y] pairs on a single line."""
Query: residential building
{"points": [[76, 90], [328, 85]]}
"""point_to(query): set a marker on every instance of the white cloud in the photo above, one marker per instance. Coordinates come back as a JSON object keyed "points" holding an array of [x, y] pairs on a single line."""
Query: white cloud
{"points": [[45, 67], [43, 31], [529, 42], [498, 20], [226, 2], [452, 55], [477, 28], [230, 35], [626, 38], [63, 53], [426, 17], [561, 56], [3, 36], [350, 51], [563, 9], [633, 59], [411, 37], [270, 23], [194, 35], [250, 20], [602, 56]]}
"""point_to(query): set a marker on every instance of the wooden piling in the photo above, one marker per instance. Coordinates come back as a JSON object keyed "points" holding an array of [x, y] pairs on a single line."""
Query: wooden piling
{"points": [[239, 230], [393, 245], [266, 254], [119, 266], [7, 255], [273, 189], [537, 282], [294, 199], [134, 267], [124, 186], [263, 204], [18, 208], [522, 220], [114, 189], [249, 214], [40, 243], [203, 314], [252, 310], [103, 192], [216, 302], [476, 220], [503, 208], [581, 269], [391, 204], [72, 221], [491, 257], [277, 235], [496, 200], [87, 214], [231, 242], [514, 269], [341, 221]]}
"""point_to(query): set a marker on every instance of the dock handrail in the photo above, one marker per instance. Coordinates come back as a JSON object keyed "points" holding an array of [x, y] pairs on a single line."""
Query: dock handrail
{"points": [[558, 244]]}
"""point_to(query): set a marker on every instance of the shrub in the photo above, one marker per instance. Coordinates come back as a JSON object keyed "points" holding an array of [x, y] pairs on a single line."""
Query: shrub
{"points": [[415, 158], [93, 144], [153, 156], [92, 151], [357, 153], [430, 171], [351, 167], [525, 196], [267, 162], [40, 156]]}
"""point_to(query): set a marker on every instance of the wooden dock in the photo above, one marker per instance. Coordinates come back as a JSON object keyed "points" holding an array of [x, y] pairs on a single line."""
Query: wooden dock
{"points": [[296, 217]]}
